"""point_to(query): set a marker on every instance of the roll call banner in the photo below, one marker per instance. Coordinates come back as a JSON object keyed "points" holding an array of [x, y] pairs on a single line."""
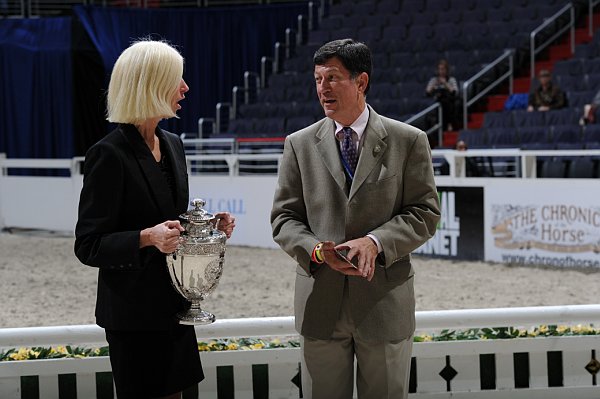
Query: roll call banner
{"points": [[540, 224], [460, 231]]}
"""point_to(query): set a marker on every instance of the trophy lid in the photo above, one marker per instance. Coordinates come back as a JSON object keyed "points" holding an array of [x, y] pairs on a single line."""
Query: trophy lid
{"points": [[197, 215]]}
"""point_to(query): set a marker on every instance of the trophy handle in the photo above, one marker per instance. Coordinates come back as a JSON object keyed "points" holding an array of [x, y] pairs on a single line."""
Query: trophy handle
{"points": [[215, 221]]}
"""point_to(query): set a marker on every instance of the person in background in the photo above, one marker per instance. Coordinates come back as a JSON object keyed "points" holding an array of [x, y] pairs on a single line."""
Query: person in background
{"points": [[444, 89], [355, 196], [134, 187], [546, 95], [589, 111]]}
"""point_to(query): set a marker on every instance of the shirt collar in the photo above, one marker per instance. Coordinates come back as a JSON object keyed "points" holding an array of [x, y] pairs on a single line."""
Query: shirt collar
{"points": [[359, 125]]}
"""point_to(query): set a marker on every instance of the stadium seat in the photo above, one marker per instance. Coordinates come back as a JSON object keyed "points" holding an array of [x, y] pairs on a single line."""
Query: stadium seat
{"points": [[591, 133], [265, 127], [533, 134], [502, 137], [384, 90], [566, 133], [497, 119], [593, 82], [241, 127], [571, 83], [490, 5], [364, 8], [474, 138], [332, 22], [453, 16], [573, 67], [538, 146], [345, 8], [448, 31], [563, 116], [524, 118], [388, 7], [369, 34], [581, 168], [437, 6], [413, 6], [476, 17], [464, 5], [500, 15], [578, 99], [592, 145], [591, 66], [343, 33], [553, 168], [420, 32], [298, 122], [587, 51]]}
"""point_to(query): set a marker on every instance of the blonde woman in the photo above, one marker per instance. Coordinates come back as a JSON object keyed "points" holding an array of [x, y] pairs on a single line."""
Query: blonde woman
{"points": [[135, 186]]}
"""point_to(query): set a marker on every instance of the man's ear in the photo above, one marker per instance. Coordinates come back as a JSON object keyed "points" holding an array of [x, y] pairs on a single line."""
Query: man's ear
{"points": [[362, 81]]}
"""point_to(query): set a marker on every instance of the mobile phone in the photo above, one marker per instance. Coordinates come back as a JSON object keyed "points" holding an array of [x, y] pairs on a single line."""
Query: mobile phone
{"points": [[344, 258]]}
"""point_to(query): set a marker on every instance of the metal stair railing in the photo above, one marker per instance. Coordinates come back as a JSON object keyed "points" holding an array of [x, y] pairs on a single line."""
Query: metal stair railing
{"points": [[533, 50], [507, 56], [438, 126]]}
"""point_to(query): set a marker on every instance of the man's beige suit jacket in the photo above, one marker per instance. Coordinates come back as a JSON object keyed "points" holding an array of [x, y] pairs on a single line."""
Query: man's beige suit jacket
{"points": [[393, 196]]}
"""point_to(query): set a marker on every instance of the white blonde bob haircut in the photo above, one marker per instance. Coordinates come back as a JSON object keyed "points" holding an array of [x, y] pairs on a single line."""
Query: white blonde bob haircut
{"points": [[144, 82]]}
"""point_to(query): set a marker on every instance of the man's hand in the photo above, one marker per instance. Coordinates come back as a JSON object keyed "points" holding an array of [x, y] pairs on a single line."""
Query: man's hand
{"points": [[366, 250], [330, 257]]}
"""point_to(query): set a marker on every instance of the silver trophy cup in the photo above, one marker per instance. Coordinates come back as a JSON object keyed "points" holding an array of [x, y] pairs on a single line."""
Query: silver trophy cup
{"points": [[197, 264]]}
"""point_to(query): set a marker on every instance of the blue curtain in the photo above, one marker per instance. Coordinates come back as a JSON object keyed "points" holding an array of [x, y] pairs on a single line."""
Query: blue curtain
{"points": [[36, 89], [218, 45], [37, 73]]}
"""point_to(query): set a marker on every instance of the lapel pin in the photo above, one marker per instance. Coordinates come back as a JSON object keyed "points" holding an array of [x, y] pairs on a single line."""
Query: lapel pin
{"points": [[376, 150]]}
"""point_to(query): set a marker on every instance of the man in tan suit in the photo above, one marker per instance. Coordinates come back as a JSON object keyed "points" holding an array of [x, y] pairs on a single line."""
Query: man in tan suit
{"points": [[354, 181]]}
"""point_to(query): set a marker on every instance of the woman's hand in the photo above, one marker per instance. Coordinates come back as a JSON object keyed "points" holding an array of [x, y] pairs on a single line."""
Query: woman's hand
{"points": [[225, 223], [164, 236]]}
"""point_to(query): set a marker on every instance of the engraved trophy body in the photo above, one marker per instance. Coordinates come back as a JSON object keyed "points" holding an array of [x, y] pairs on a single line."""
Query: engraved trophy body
{"points": [[197, 264]]}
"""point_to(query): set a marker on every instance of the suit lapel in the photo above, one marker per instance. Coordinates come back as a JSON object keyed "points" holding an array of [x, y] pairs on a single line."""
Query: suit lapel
{"points": [[328, 147], [372, 151], [157, 185]]}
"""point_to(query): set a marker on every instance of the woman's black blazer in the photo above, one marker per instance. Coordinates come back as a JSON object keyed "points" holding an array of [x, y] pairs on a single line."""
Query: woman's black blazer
{"points": [[124, 192]]}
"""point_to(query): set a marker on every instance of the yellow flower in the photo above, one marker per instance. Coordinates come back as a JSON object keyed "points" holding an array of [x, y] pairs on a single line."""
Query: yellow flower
{"points": [[203, 347], [232, 346], [21, 354], [562, 329], [543, 329], [523, 332], [427, 338], [257, 346]]}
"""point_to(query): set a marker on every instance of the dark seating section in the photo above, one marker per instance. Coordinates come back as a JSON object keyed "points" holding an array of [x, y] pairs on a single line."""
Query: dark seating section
{"points": [[579, 78], [407, 38]]}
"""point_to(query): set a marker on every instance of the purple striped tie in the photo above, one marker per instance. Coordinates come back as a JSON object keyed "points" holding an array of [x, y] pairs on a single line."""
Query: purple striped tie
{"points": [[349, 154]]}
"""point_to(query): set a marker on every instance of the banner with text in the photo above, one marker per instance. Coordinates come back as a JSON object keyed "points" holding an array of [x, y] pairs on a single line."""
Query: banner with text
{"points": [[540, 224], [460, 231]]}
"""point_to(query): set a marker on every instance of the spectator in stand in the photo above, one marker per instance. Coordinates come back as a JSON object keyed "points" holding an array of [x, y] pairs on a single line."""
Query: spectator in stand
{"points": [[444, 89], [471, 163], [546, 95], [589, 111]]}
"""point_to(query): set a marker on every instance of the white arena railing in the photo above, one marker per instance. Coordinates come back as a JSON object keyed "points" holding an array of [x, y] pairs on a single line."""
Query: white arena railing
{"points": [[551, 367]]}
